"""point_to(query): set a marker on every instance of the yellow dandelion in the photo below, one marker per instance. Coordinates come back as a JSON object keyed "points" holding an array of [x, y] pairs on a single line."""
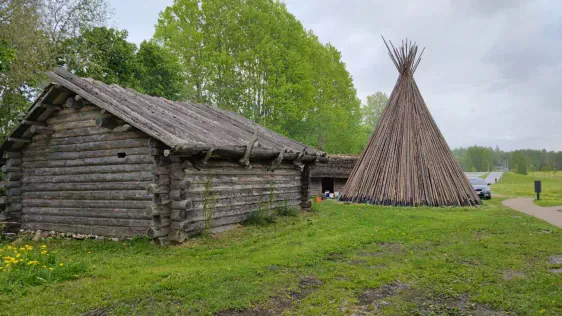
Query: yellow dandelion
{"points": [[61, 264], [50, 269], [18, 255], [44, 267], [89, 252], [43, 246], [22, 249], [10, 247], [44, 252], [542, 311]]}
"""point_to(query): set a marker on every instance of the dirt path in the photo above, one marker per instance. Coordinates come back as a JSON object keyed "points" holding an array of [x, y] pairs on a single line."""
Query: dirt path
{"points": [[526, 205]]}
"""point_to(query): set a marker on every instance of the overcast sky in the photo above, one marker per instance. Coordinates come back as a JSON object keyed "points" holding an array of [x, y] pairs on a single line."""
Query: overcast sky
{"points": [[491, 74]]}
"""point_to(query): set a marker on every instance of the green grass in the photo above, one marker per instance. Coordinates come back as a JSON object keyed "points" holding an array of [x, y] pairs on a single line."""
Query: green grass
{"points": [[512, 185], [422, 260]]}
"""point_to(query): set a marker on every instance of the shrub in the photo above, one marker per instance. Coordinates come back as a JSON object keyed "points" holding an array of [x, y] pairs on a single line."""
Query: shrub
{"points": [[287, 210], [28, 265]]}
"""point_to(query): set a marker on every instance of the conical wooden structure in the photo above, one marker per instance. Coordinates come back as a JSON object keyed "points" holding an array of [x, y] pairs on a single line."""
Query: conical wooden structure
{"points": [[407, 161]]}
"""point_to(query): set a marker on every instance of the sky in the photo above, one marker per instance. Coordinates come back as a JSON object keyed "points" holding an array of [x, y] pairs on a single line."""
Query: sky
{"points": [[491, 73]]}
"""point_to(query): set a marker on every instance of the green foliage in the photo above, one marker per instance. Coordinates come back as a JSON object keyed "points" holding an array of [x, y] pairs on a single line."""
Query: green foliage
{"points": [[458, 254], [253, 57], [373, 108], [103, 54], [287, 210], [159, 72], [518, 162], [32, 34], [260, 217], [532, 168]]}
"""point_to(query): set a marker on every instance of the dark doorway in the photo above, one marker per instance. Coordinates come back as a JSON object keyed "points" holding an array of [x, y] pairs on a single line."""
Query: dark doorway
{"points": [[328, 185]]}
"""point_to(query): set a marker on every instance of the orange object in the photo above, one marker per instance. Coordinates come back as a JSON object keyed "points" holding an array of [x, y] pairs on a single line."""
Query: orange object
{"points": [[318, 199]]}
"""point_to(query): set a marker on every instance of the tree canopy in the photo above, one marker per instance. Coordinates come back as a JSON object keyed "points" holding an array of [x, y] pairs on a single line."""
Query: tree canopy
{"points": [[255, 58]]}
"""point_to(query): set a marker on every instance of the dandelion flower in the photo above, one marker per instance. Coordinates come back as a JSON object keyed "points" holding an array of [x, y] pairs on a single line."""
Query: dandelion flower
{"points": [[44, 267], [10, 247], [61, 264], [50, 269], [43, 246], [18, 255]]}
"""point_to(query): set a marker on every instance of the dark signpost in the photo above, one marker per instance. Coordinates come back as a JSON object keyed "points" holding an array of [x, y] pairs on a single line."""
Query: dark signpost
{"points": [[538, 189]]}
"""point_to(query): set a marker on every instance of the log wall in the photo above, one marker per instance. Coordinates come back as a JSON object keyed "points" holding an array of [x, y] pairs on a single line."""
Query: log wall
{"points": [[315, 186], [77, 177], [223, 193]]}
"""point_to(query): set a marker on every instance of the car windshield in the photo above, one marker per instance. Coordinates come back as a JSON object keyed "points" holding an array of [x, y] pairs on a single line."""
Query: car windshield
{"points": [[477, 181]]}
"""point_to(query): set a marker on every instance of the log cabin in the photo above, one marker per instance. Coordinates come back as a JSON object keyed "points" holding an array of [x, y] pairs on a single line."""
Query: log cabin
{"points": [[100, 159], [332, 175]]}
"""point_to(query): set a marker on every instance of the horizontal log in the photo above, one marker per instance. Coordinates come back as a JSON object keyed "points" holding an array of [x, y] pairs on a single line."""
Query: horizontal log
{"points": [[6, 168], [14, 192], [93, 186], [101, 145], [134, 195], [42, 130], [115, 160], [68, 115], [9, 199], [153, 232], [122, 204], [177, 235], [106, 122], [72, 220], [139, 214], [34, 123], [14, 207], [182, 205], [109, 177], [73, 104], [14, 162], [11, 154], [178, 195], [180, 184], [154, 188], [155, 209], [123, 128], [47, 155], [154, 143], [10, 184], [40, 143], [160, 221], [179, 215], [14, 176], [18, 140], [100, 169], [160, 170], [111, 231], [74, 125]]}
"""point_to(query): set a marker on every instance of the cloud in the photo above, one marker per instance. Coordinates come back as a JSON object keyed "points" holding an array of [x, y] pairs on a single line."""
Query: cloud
{"points": [[487, 65]]}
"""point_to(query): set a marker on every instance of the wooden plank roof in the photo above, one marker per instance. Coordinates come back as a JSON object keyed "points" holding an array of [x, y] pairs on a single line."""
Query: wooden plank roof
{"points": [[176, 124]]}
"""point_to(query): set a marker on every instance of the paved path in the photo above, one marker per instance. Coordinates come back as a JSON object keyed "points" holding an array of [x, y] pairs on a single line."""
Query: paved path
{"points": [[474, 174], [526, 205], [492, 176]]}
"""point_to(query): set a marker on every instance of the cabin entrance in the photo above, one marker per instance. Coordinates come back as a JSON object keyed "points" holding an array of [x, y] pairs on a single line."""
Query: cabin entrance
{"points": [[328, 185]]}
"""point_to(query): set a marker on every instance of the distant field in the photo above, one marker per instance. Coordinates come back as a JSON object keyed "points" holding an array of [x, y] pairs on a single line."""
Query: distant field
{"points": [[512, 184]]}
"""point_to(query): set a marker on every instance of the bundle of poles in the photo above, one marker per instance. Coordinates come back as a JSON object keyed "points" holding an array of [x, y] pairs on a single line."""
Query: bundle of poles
{"points": [[407, 162]]}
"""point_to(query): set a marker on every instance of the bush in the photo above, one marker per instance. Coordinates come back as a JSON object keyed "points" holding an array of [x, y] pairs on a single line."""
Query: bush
{"points": [[287, 210], [27, 265], [259, 218]]}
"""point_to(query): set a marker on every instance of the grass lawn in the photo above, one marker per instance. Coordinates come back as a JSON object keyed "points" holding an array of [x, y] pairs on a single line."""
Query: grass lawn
{"points": [[512, 184], [342, 259]]}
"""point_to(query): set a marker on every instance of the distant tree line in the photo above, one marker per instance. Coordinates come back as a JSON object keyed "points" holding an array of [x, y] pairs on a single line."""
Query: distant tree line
{"points": [[477, 158]]}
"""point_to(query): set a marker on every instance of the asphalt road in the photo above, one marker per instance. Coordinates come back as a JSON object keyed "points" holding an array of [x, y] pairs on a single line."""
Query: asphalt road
{"points": [[489, 179]]}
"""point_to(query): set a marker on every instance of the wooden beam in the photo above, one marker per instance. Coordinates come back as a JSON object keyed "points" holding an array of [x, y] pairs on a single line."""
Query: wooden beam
{"points": [[34, 123], [11, 154], [18, 140], [50, 106]]}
